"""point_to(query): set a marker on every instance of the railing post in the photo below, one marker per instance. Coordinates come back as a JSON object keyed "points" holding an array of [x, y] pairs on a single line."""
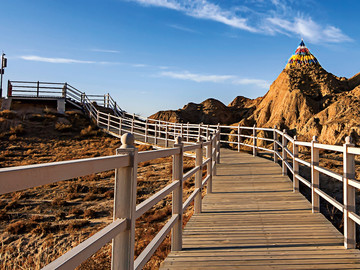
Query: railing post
{"points": [[198, 176], [207, 131], [213, 152], [108, 100], [209, 165], [108, 123], [104, 100], [182, 130], [64, 90], [9, 89], [120, 126], [295, 165], [97, 117], [132, 124], [125, 206], [315, 200], [239, 137], [146, 129], [284, 153], [177, 197], [200, 129], [37, 88], [166, 135], [349, 195], [155, 132], [218, 147], [275, 136], [254, 141], [187, 137]]}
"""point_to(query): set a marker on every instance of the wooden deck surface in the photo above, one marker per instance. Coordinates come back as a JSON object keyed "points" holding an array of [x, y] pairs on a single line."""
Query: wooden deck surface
{"points": [[253, 220]]}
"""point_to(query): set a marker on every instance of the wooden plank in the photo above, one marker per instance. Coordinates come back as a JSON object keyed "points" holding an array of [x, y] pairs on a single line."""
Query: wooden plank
{"points": [[254, 220]]}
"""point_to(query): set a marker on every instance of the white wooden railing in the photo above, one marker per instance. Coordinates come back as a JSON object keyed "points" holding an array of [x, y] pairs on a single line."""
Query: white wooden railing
{"points": [[285, 149], [122, 230], [195, 137]]}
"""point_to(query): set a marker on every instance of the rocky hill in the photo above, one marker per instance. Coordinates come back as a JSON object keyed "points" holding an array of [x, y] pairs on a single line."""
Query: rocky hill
{"points": [[305, 99]]}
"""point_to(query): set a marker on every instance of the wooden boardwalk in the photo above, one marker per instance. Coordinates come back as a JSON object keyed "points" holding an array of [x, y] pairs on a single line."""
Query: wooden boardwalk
{"points": [[253, 220]]}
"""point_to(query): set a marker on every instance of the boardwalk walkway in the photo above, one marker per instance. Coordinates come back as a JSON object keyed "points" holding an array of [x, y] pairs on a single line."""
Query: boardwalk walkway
{"points": [[253, 220]]}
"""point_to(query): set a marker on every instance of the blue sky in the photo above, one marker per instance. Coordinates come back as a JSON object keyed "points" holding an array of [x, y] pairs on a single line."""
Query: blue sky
{"points": [[153, 55]]}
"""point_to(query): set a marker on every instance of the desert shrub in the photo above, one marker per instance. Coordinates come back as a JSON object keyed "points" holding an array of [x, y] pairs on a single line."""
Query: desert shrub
{"points": [[77, 188], [60, 216], [90, 197], [4, 215], [37, 218], [13, 137], [20, 227], [36, 117], [62, 127], [58, 201], [76, 211], [88, 131], [109, 194], [98, 190], [18, 130], [89, 213], [12, 205], [8, 114], [145, 147], [72, 196], [77, 224]]}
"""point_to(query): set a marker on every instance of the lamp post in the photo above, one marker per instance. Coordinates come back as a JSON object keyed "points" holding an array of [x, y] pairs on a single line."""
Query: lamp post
{"points": [[3, 65]]}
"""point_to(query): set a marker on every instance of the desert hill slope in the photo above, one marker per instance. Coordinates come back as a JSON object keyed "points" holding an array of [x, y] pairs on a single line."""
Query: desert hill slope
{"points": [[304, 99]]}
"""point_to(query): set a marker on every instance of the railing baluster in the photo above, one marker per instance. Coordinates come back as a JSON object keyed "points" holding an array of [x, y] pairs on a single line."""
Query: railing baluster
{"points": [[284, 154], [146, 129], [108, 123], [125, 206], [166, 135], [295, 165], [275, 136], [209, 165], [349, 195], [254, 141], [37, 88], [239, 137], [315, 200], [187, 137], [132, 124], [198, 176], [177, 197]]}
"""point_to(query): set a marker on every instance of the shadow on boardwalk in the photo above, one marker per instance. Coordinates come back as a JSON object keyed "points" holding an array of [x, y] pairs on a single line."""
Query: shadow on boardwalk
{"points": [[253, 220]]}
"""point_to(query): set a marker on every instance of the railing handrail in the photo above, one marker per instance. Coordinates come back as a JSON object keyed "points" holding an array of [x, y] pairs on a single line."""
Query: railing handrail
{"points": [[276, 142]]}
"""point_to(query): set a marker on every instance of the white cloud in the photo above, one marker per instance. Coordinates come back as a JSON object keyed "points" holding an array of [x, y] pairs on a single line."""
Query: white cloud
{"points": [[54, 60], [196, 77], [104, 51], [269, 18], [182, 28], [308, 29], [259, 83], [186, 75]]}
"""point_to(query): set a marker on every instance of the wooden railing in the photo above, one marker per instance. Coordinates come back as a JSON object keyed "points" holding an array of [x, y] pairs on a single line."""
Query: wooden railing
{"points": [[282, 147], [121, 230], [38, 89], [285, 149]]}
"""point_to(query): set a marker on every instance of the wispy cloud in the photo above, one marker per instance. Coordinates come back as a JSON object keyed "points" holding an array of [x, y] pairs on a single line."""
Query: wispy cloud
{"points": [[54, 60], [104, 51], [196, 77], [264, 17], [182, 28], [186, 75]]}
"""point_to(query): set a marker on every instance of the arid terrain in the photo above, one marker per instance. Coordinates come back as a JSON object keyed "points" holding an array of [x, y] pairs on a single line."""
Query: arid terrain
{"points": [[38, 225]]}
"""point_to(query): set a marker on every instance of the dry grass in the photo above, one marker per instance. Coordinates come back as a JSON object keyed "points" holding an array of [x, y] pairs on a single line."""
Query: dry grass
{"points": [[40, 224]]}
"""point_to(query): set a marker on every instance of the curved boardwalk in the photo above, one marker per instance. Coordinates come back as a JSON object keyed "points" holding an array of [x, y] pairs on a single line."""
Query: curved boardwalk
{"points": [[253, 220]]}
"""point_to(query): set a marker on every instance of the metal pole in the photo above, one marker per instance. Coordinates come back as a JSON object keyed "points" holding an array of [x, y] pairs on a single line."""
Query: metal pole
{"points": [[2, 71]]}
